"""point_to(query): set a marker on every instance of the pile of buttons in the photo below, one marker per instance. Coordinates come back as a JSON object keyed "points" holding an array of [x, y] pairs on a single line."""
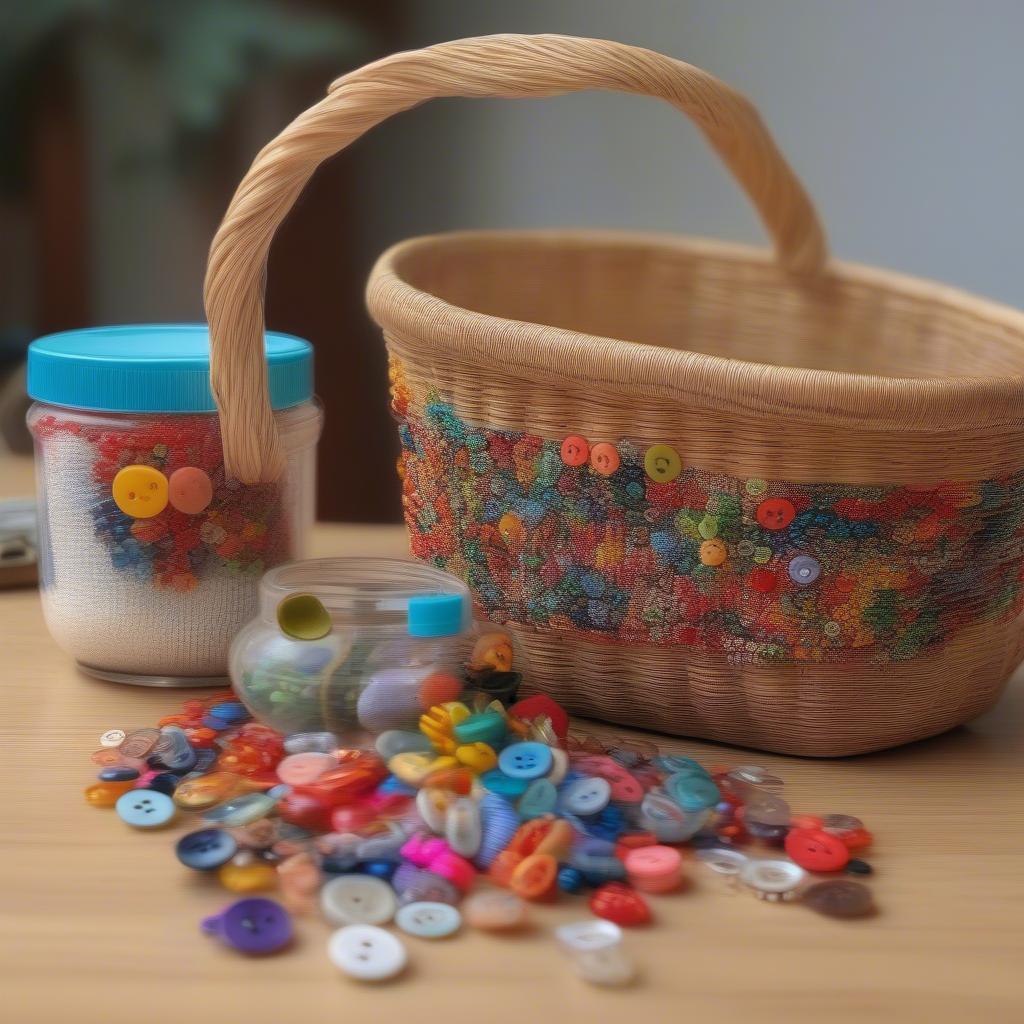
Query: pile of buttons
{"points": [[483, 811]]}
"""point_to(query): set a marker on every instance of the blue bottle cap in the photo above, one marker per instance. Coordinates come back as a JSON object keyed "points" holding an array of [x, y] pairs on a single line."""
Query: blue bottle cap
{"points": [[436, 615], [152, 368]]}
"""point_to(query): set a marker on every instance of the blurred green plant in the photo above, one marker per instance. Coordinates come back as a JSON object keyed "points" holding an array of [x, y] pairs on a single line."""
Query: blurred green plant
{"points": [[198, 54]]}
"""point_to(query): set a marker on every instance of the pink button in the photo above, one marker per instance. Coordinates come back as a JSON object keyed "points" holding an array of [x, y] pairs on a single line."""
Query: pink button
{"points": [[624, 786], [654, 868], [456, 869], [189, 490], [421, 850], [303, 769]]}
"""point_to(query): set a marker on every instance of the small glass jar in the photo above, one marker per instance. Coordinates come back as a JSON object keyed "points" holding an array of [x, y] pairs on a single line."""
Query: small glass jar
{"points": [[355, 646], [150, 556]]}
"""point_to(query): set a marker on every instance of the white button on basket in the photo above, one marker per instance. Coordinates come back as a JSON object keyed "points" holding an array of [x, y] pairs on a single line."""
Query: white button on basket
{"points": [[367, 953], [358, 899]]}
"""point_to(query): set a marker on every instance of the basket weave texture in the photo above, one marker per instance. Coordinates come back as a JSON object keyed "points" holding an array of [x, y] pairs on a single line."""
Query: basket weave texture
{"points": [[887, 412]]}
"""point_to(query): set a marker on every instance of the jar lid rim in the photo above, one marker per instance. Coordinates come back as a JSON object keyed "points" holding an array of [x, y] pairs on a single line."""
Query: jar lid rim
{"points": [[152, 368]]}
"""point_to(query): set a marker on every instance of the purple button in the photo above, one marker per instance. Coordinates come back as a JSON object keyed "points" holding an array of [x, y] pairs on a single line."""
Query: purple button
{"points": [[251, 926]]}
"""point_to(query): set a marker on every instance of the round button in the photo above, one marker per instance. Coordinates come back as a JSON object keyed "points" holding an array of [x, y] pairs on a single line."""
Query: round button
{"points": [[206, 849], [247, 874], [604, 458], [607, 967], [840, 898], [241, 810], [535, 876], [756, 487], [804, 570], [366, 953], [140, 491], [118, 773], [428, 920], [713, 552], [586, 796], [494, 911], [586, 936], [764, 581], [615, 901], [662, 463], [722, 860], [357, 899], [654, 868], [145, 808], [303, 617], [112, 738], [302, 769], [252, 925], [692, 792], [766, 809], [775, 513], [816, 849], [772, 877], [189, 490], [528, 760], [575, 450], [539, 799]]}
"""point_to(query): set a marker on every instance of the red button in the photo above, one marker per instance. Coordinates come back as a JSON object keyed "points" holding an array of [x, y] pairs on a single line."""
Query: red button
{"points": [[816, 850], [775, 513], [764, 581], [541, 704], [616, 902]]}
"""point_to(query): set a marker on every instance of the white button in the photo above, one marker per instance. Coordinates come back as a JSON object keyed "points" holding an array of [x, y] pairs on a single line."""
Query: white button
{"points": [[428, 920], [587, 796], [772, 877], [112, 738], [722, 860], [462, 827], [358, 899], [433, 806], [609, 966], [559, 766], [583, 936], [366, 953]]}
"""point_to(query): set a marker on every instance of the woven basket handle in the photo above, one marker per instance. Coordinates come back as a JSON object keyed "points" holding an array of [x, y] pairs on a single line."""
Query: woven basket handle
{"points": [[505, 65]]}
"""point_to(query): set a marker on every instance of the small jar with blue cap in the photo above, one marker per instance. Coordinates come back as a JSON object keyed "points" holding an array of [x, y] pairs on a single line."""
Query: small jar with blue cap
{"points": [[353, 646], [151, 554]]}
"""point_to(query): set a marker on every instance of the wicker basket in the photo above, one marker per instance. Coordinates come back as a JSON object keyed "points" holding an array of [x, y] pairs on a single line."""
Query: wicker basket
{"points": [[822, 554]]}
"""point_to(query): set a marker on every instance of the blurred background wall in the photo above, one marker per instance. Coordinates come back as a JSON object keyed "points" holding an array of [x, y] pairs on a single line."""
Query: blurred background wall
{"points": [[127, 123]]}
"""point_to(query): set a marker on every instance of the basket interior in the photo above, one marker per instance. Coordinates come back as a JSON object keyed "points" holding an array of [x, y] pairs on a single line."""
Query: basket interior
{"points": [[721, 301]]}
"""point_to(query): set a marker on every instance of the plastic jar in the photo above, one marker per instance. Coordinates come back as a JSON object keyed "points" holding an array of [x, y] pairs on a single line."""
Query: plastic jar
{"points": [[354, 646], [150, 557]]}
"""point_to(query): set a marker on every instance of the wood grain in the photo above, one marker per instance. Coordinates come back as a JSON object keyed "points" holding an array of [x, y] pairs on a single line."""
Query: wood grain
{"points": [[100, 924]]}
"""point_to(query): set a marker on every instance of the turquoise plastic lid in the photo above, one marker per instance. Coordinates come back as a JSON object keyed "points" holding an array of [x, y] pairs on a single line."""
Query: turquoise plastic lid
{"points": [[436, 615], [152, 368]]}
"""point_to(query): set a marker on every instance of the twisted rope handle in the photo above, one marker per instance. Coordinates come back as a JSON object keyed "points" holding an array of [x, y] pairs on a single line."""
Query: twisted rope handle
{"points": [[502, 65]]}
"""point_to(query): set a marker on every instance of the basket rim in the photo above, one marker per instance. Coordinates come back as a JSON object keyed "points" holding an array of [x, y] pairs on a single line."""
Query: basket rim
{"points": [[828, 397]]}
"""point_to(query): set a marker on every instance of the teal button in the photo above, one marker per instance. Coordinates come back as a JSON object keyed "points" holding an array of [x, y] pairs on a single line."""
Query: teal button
{"points": [[692, 792], [488, 727], [498, 782], [539, 799]]}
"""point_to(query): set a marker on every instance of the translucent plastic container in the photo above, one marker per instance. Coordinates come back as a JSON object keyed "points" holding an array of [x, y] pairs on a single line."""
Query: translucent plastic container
{"points": [[150, 557], [354, 646]]}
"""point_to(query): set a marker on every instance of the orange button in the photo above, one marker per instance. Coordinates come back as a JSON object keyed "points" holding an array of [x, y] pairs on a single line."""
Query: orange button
{"points": [[534, 878], [604, 458], [575, 450], [816, 850], [190, 490]]}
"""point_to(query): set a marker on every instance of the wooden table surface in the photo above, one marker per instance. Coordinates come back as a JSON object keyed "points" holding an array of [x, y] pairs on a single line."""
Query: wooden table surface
{"points": [[100, 923]]}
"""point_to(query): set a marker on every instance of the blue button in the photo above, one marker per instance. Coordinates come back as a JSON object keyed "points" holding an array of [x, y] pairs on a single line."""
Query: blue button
{"points": [[525, 760], [145, 808], [206, 849], [230, 711], [165, 782]]}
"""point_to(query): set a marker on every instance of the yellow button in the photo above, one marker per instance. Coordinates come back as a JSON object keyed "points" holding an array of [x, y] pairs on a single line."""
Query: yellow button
{"points": [[662, 463], [252, 877], [140, 491], [713, 552]]}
